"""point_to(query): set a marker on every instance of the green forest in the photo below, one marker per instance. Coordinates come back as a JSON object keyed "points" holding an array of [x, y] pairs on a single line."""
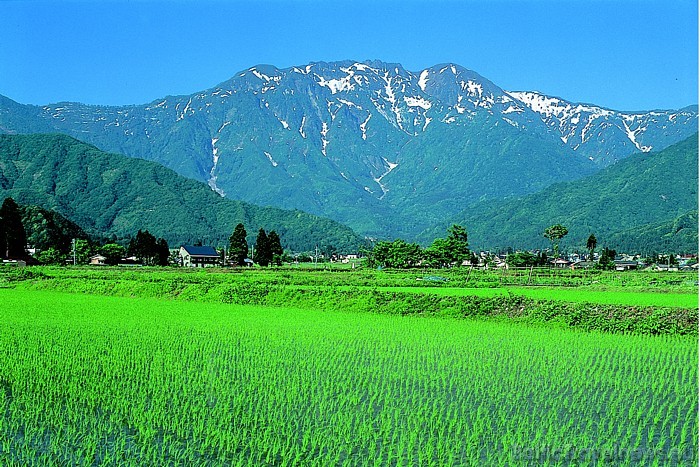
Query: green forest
{"points": [[108, 195]]}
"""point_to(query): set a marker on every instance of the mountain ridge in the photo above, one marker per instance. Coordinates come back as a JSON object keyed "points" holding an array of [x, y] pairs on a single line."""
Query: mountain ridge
{"points": [[387, 151]]}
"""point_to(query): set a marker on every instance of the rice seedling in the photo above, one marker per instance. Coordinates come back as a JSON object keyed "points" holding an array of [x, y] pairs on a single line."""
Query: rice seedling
{"points": [[90, 380]]}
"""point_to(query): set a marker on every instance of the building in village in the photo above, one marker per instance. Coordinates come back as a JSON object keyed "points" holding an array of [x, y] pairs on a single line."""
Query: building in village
{"points": [[199, 256]]}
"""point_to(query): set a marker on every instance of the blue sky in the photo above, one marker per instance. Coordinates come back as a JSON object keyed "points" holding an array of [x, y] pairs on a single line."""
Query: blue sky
{"points": [[624, 54]]}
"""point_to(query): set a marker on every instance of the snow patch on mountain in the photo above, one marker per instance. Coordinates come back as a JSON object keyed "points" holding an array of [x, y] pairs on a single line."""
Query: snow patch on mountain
{"points": [[577, 122], [423, 79], [349, 104], [185, 110], [390, 166], [473, 88], [363, 126], [336, 85], [324, 141], [301, 127], [215, 163], [632, 135], [513, 108], [265, 77], [417, 102], [269, 157]]}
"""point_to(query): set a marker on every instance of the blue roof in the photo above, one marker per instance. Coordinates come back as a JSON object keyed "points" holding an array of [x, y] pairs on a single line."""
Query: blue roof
{"points": [[200, 250]]}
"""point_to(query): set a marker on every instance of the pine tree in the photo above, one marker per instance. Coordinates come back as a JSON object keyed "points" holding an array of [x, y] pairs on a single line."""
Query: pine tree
{"points": [[263, 254], [14, 238], [238, 246]]}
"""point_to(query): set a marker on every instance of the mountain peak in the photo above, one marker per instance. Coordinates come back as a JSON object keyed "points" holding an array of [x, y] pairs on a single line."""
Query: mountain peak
{"points": [[367, 143]]}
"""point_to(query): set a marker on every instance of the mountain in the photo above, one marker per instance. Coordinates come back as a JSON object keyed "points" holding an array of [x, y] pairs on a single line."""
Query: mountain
{"points": [[679, 235], [108, 194], [384, 150], [651, 195], [606, 135]]}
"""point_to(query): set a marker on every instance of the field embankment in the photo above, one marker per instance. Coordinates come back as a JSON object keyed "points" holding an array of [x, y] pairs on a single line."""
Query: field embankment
{"points": [[399, 294]]}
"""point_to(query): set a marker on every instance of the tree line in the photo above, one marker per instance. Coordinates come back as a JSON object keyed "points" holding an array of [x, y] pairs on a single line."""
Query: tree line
{"points": [[443, 252], [453, 250], [266, 250]]}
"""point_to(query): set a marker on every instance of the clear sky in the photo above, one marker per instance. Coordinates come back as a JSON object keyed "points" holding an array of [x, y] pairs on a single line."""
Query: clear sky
{"points": [[621, 54]]}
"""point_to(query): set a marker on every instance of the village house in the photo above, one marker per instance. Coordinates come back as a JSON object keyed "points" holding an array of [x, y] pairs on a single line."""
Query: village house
{"points": [[561, 263], [199, 256], [583, 265], [622, 265], [98, 260]]}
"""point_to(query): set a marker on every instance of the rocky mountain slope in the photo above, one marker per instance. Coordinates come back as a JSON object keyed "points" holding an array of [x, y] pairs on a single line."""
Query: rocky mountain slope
{"points": [[385, 150]]}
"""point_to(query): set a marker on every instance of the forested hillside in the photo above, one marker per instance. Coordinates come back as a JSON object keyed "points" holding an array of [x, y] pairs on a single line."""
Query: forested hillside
{"points": [[108, 194], [631, 205]]}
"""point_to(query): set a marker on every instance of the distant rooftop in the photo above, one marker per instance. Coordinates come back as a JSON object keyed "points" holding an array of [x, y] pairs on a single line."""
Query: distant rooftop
{"points": [[200, 250]]}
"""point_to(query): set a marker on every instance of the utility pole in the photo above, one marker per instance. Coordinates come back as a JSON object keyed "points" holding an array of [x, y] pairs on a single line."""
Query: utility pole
{"points": [[74, 258]]}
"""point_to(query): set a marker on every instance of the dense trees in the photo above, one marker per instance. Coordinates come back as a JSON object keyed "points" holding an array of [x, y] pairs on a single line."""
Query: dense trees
{"points": [[276, 249], [454, 249], [591, 243], [607, 259], [149, 250], [13, 239], [443, 252], [396, 254], [182, 210], [112, 253], [521, 259]]}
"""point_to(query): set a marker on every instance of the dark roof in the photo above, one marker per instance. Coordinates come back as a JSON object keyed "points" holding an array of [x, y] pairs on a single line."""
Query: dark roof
{"points": [[200, 250]]}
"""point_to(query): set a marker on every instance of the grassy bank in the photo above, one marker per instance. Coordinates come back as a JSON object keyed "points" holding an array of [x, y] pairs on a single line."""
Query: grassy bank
{"points": [[590, 310]]}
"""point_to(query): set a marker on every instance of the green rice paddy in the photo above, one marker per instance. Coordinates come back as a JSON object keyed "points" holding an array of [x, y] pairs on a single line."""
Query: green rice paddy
{"points": [[96, 380]]}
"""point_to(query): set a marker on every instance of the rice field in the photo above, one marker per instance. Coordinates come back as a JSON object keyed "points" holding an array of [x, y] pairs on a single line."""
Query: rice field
{"points": [[94, 380]]}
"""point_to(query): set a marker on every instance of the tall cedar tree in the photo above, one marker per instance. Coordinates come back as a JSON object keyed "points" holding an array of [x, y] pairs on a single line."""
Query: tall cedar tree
{"points": [[276, 249], [263, 254], [238, 246], [591, 243], [162, 252], [13, 239]]}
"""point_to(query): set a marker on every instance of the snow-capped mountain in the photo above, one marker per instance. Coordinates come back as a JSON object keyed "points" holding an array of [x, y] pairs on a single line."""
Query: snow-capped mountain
{"points": [[606, 135], [382, 149]]}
